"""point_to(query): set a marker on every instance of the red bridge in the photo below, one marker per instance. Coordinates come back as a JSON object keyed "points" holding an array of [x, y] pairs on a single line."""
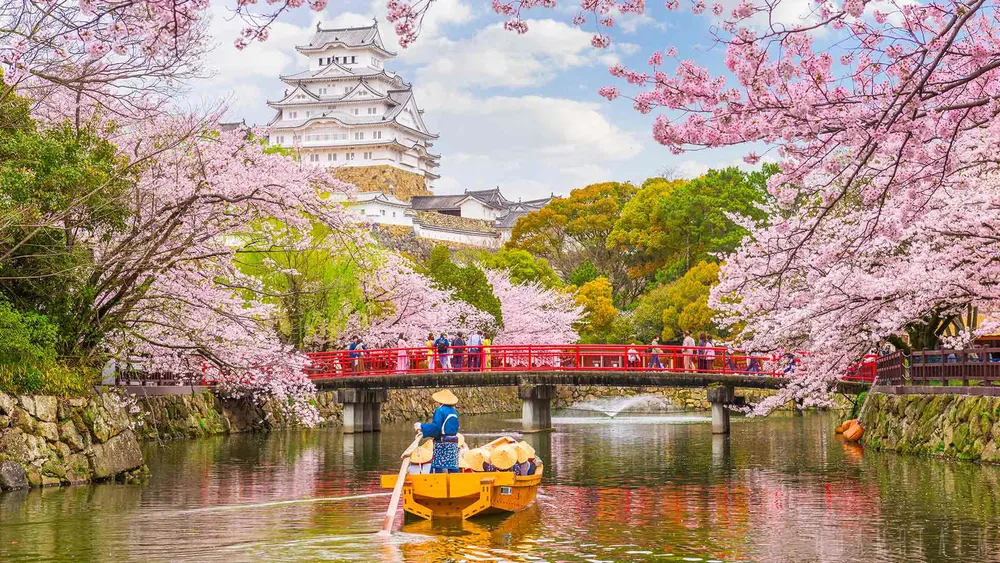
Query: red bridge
{"points": [[363, 378]]}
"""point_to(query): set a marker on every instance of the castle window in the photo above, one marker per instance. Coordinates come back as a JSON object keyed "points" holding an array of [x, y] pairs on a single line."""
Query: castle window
{"points": [[383, 212], [349, 156], [314, 158], [376, 134], [359, 136], [367, 155]]}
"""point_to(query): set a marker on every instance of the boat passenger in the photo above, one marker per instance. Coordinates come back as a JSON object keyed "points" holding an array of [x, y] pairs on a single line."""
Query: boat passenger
{"points": [[443, 428], [475, 459], [502, 458], [525, 459], [420, 459]]}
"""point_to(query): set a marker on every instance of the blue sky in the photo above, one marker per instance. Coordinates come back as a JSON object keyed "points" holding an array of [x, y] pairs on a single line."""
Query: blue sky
{"points": [[520, 112]]}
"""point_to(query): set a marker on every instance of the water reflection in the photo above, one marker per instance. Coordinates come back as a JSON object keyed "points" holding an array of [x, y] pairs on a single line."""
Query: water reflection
{"points": [[779, 489]]}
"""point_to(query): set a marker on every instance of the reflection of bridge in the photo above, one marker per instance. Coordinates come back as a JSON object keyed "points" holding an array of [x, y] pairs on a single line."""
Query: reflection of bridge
{"points": [[363, 378]]}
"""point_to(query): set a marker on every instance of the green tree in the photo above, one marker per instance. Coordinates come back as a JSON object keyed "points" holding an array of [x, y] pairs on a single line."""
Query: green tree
{"points": [[59, 183], [571, 230], [522, 265], [467, 283], [313, 285], [669, 309], [584, 273], [671, 225]]}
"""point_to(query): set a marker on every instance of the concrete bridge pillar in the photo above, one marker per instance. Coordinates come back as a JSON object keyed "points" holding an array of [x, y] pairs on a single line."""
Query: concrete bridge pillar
{"points": [[362, 409], [536, 407], [719, 397]]}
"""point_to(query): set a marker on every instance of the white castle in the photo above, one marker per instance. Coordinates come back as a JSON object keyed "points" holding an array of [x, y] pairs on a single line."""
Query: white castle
{"points": [[347, 110]]}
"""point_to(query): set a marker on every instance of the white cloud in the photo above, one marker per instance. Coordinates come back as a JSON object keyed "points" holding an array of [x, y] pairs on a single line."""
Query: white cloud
{"points": [[628, 48], [694, 168]]}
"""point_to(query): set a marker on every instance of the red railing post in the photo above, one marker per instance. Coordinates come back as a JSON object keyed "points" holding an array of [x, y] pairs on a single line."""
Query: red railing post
{"points": [[530, 367]]}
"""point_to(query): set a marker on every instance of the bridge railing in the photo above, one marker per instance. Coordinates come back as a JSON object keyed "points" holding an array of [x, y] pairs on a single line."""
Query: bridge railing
{"points": [[571, 357], [942, 367]]}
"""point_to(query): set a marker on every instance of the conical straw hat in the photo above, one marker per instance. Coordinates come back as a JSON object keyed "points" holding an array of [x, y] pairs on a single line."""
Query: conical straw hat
{"points": [[445, 397], [461, 440], [503, 457], [475, 458], [424, 453], [523, 451]]}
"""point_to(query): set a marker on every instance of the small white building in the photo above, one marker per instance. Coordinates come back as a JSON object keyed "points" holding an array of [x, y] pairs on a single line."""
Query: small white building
{"points": [[383, 209]]}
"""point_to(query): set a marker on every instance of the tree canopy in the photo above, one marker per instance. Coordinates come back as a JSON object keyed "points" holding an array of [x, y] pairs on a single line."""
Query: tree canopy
{"points": [[671, 225], [571, 230]]}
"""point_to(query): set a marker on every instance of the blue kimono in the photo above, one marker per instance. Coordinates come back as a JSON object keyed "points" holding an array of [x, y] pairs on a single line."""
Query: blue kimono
{"points": [[444, 429]]}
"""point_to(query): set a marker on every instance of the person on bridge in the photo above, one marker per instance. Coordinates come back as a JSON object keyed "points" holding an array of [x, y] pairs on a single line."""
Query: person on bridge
{"points": [[654, 350], [403, 358], [688, 351], [458, 351], [487, 359], [355, 352], [475, 351], [442, 344], [431, 360], [443, 428]]}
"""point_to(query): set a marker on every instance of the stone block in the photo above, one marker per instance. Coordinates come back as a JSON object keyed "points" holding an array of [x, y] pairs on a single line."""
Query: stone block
{"points": [[77, 402], [4, 422], [23, 420], [12, 476], [27, 403], [46, 408], [50, 481], [119, 454], [49, 431], [7, 404]]}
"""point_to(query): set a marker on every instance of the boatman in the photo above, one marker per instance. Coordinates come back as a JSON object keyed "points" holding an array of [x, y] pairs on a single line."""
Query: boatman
{"points": [[443, 428]]}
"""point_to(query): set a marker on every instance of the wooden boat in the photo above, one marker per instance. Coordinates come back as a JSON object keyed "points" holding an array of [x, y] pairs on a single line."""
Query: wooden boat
{"points": [[464, 495]]}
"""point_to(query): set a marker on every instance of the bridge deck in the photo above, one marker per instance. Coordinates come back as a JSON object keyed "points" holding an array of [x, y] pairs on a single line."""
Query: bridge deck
{"points": [[535, 377]]}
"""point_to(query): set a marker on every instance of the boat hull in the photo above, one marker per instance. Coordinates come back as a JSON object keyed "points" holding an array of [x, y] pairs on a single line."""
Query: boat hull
{"points": [[465, 495]]}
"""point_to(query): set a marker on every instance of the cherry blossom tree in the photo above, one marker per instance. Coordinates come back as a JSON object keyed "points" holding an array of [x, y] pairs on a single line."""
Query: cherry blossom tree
{"points": [[400, 300], [533, 314], [165, 292]]}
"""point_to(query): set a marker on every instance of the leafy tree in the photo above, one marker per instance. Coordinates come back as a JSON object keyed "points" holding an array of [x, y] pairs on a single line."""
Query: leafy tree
{"points": [[595, 297], [584, 273], [467, 283], [311, 280], [571, 230], [522, 266], [670, 309], [671, 225]]}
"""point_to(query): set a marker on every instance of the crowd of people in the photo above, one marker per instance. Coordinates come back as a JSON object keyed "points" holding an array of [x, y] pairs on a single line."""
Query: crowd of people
{"points": [[458, 352]]}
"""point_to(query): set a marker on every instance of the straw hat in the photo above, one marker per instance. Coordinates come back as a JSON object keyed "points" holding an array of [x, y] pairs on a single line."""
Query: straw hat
{"points": [[524, 451], [445, 397], [503, 457], [475, 458], [461, 441], [424, 453]]}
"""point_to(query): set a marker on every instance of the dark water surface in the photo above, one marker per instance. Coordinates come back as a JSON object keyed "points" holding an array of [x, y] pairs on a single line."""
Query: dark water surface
{"points": [[656, 488]]}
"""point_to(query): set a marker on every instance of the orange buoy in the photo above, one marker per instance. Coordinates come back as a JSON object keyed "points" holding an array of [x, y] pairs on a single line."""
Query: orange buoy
{"points": [[839, 429], [854, 432]]}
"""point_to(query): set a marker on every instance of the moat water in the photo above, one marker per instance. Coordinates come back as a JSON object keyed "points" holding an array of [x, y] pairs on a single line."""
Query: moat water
{"points": [[632, 488]]}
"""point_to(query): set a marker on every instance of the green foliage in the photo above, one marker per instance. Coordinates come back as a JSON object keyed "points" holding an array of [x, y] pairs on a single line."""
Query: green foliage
{"points": [[26, 338], [315, 285], [522, 265], [671, 225], [28, 359], [585, 272], [670, 309], [571, 230], [56, 379], [58, 183], [467, 283]]}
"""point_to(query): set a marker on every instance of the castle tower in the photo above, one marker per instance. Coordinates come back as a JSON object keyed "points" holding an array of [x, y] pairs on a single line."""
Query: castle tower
{"points": [[346, 110]]}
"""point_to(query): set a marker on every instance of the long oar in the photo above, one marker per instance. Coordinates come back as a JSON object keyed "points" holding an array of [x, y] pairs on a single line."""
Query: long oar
{"points": [[397, 491]]}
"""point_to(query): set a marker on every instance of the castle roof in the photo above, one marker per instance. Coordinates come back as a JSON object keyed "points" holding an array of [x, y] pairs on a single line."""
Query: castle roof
{"points": [[350, 37]]}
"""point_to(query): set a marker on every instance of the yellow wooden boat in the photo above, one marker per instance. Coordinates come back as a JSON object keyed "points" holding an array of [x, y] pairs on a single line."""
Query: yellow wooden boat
{"points": [[464, 495]]}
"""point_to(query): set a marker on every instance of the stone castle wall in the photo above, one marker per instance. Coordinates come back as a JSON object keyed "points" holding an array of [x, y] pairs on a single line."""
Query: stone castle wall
{"points": [[384, 178], [49, 441], [953, 426]]}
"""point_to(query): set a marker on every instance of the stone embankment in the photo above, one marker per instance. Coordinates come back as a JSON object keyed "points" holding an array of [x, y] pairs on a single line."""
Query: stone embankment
{"points": [[50, 441], [954, 426]]}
